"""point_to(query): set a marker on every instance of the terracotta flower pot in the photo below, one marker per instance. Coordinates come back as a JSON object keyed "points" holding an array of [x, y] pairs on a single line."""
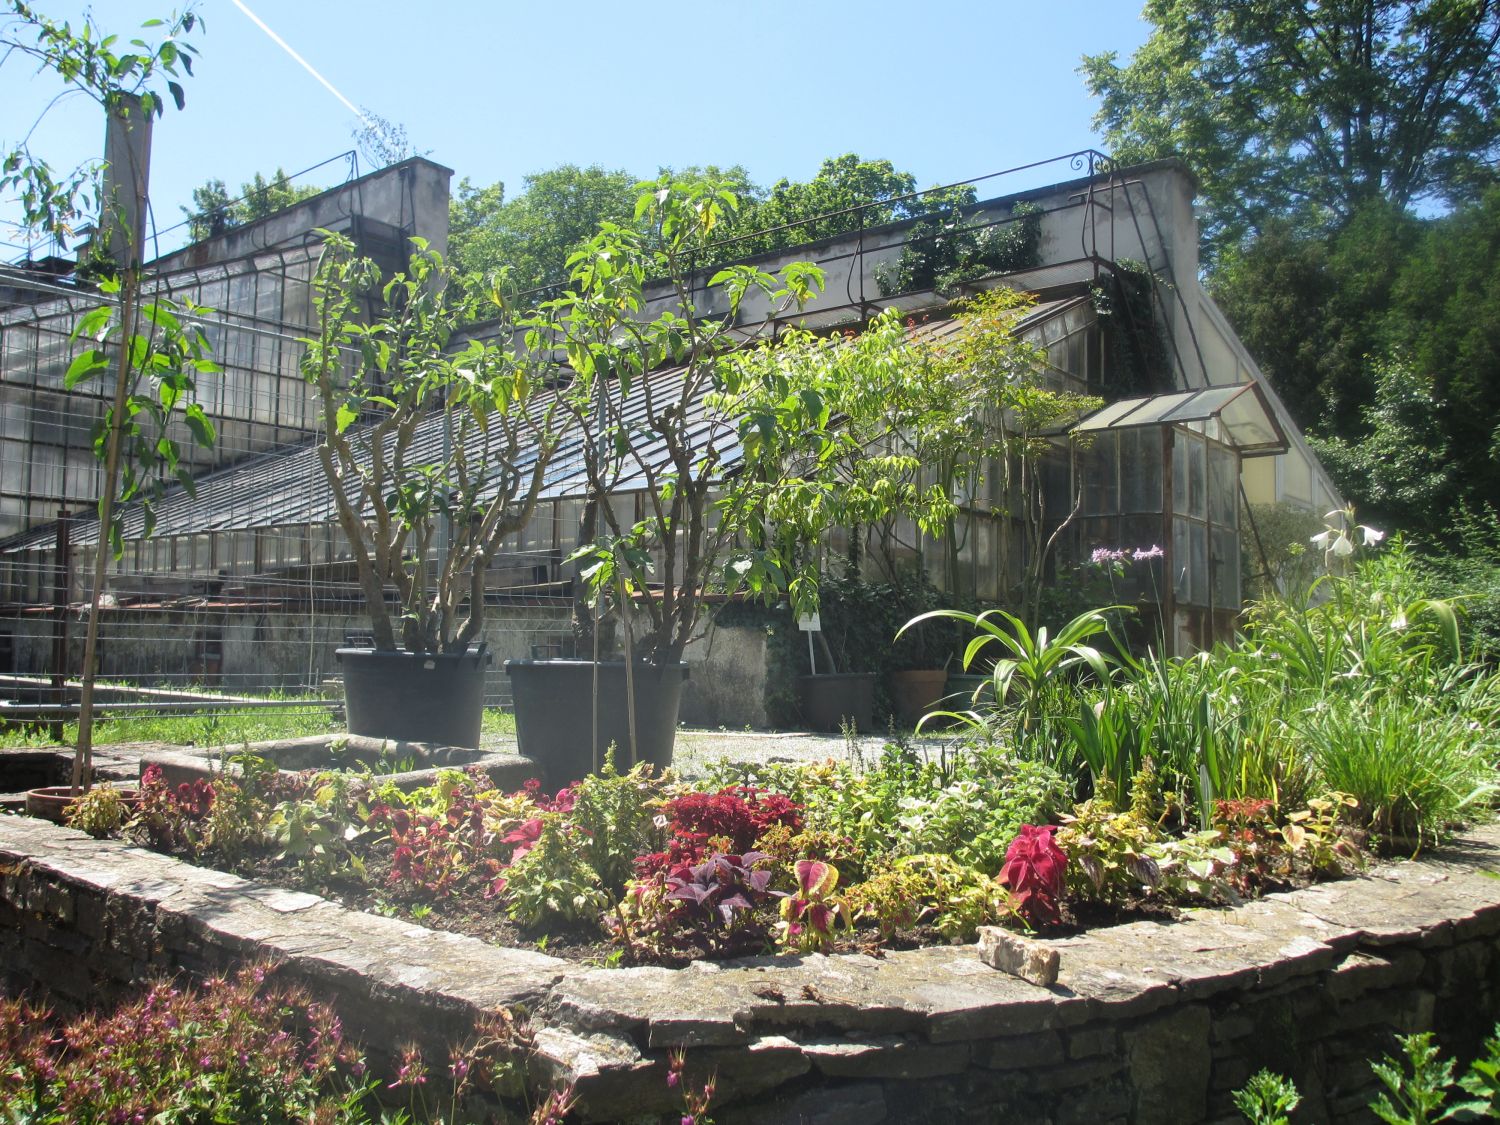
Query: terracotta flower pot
{"points": [[52, 802]]}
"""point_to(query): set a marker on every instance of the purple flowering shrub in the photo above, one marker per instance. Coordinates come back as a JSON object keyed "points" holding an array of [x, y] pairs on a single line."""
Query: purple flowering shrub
{"points": [[236, 1049]]}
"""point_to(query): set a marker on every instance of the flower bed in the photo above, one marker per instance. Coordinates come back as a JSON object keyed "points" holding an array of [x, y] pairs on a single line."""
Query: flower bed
{"points": [[1099, 786], [637, 869]]}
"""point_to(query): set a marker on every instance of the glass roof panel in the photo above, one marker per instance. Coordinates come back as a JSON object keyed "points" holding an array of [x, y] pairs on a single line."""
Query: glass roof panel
{"points": [[1157, 409], [1111, 415], [1205, 403], [1240, 411]]}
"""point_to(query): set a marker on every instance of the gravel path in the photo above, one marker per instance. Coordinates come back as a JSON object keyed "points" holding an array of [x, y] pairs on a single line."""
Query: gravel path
{"points": [[696, 750]]}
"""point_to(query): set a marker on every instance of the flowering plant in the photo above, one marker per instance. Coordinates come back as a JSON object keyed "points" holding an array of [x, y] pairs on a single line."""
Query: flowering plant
{"points": [[1033, 871], [1336, 540]]}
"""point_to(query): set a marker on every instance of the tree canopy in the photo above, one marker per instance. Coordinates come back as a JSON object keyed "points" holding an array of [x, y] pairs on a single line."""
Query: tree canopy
{"points": [[213, 211], [1306, 110], [532, 233]]}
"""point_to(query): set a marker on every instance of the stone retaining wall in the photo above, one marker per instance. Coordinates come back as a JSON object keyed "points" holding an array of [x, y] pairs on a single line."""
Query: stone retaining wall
{"points": [[1147, 1023]]}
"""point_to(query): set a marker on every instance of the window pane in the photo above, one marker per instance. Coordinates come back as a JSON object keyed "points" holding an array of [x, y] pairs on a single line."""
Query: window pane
{"points": [[1197, 479], [1223, 486], [1226, 569], [1140, 470]]}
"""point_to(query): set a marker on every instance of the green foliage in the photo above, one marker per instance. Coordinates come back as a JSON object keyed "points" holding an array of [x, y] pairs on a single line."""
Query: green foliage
{"points": [[703, 525], [553, 884], [163, 358], [213, 211], [1035, 670], [1401, 469], [1412, 766], [1415, 1091], [532, 235], [395, 497], [229, 1050], [1109, 851], [1419, 1087], [613, 813], [1310, 112], [1267, 1099], [313, 831], [107, 70], [932, 889], [969, 804], [846, 194], [101, 812], [947, 249]]}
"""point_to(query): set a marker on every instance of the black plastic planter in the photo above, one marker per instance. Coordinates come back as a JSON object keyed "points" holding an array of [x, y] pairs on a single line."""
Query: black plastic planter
{"points": [[554, 701], [832, 699], [415, 697]]}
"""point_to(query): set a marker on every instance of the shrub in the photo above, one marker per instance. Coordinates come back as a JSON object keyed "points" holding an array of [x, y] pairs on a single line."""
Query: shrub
{"points": [[934, 889], [100, 812], [552, 883], [615, 814], [729, 821], [233, 1050]]}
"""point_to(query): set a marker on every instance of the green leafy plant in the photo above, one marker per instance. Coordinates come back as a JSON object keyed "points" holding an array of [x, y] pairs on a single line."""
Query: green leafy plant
{"points": [[552, 883], [238, 1049], [933, 889], [615, 815], [100, 812], [423, 441], [662, 400], [1419, 1087], [1267, 1099], [1035, 667]]}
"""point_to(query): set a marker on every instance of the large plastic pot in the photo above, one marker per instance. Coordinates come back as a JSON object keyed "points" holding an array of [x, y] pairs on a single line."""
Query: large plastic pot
{"points": [[916, 692], [555, 727], [831, 700], [415, 697]]}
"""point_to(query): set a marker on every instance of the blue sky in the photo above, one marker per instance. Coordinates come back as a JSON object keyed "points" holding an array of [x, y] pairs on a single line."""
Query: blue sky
{"points": [[497, 89]]}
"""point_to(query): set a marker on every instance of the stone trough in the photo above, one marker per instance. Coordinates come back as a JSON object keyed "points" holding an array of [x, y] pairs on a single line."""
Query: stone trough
{"points": [[345, 752], [1146, 1022]]}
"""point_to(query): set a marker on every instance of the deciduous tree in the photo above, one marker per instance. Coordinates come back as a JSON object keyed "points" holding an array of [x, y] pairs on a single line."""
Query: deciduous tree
{"points": [[1309, 109]]}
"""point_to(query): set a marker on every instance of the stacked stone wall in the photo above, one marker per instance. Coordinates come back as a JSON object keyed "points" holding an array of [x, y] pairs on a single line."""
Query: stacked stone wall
{"points": [[1148, 1022]]}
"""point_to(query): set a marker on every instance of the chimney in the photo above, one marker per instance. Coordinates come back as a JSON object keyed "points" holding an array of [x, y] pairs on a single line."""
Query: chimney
{"points": [[127, 168]]}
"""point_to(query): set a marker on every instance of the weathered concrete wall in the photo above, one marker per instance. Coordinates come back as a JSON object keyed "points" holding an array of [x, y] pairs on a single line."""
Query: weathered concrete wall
{"points": [[1147, 1023], [726, 685], [411, 195]]}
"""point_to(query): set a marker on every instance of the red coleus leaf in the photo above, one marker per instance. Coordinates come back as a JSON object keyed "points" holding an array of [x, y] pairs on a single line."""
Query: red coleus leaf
{"points": [[1034, 869]]}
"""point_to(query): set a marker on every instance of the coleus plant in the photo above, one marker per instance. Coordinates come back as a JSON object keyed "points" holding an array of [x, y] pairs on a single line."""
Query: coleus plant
{"points": [[1033, 873], [718, 895], [812, 915]]}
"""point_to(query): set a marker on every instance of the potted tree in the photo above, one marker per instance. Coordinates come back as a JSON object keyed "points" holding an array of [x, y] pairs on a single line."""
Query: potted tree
{"points": [[684, 437], [433, 453]]}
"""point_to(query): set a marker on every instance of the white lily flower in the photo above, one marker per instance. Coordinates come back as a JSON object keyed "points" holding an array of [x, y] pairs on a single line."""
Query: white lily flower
{"points": [[1322, 538], [1342, 547], [1372, 535]]}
